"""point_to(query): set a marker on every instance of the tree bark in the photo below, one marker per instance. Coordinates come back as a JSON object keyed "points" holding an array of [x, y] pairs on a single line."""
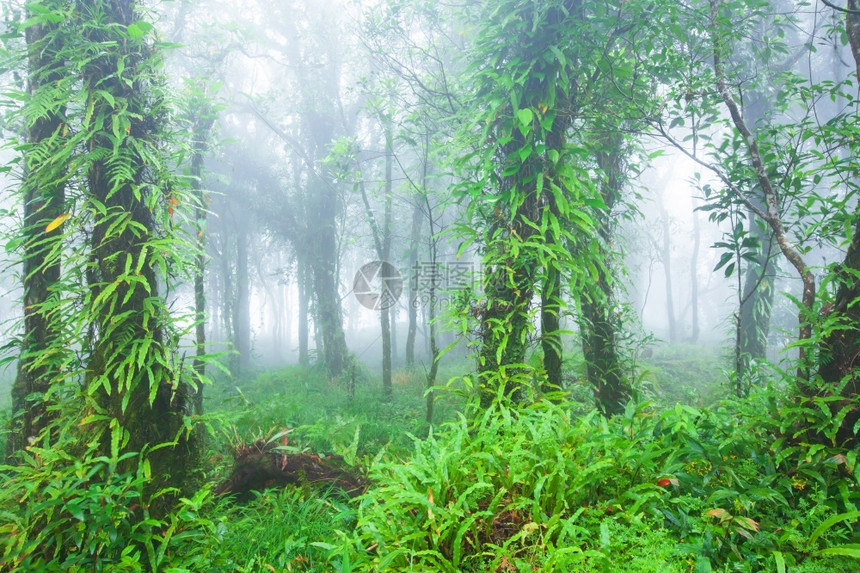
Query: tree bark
{"points": [[385, 255], [414, 295], [841, 349], [599, 340], [324, 259], [852, 27], [304, 295], [203, 123], [43, 191], [144, 394], [666, 260]]}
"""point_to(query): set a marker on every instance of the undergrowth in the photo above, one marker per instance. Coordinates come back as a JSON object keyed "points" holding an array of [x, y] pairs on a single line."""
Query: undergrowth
{"points": [[738, 486], [530, 488]]}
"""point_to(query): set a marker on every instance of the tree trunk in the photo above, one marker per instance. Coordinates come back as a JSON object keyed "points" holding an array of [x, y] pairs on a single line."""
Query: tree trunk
{"points": [[756, 304], [772, 214], [414, 295], [328, 319], [841, 348], [550, 327], [242, 306], [694, 274], [303, 287], [43, 191], [756, 301], [666, 259], [203, 124], [130, 353], [599, 344], [852, 27], [385, 255]]}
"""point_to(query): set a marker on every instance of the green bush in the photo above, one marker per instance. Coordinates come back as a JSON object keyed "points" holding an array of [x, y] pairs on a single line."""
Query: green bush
{"points": [[532, 487], [67, 508]]}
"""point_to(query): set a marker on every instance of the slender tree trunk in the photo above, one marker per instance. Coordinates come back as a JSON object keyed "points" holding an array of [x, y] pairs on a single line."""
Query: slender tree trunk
{"points": [[550, 326], [328, 320], [287, 309], [201, 131], [242, 307], [228, 294], [385, 255], [303, 287], [694, 274], [43, 193], [414, 295], [759, 289], [599, 342], [431, 308], [395, 349], [666, 259], [757, 303], [772, 213]]}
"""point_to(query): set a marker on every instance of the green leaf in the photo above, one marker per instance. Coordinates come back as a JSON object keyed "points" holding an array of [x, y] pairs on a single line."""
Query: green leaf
{"points": [[526, 116], [847, 550], [703, 565], [831, 521], [139, 29], [780, 562], [559, 55]]}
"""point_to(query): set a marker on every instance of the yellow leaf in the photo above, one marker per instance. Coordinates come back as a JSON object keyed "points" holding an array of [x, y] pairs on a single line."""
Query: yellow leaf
{"points": [[57, 222], [747, 523]]}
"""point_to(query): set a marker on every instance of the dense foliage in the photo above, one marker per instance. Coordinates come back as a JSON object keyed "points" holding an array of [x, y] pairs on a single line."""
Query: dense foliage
{"points": [[517, 129]]}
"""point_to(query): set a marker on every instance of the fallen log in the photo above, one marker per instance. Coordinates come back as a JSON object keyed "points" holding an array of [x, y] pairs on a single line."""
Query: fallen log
{"points": [[264, 464]]}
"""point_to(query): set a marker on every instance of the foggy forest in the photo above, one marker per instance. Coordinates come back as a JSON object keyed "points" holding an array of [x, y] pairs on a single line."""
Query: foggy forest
{"points": [[430, 285]]}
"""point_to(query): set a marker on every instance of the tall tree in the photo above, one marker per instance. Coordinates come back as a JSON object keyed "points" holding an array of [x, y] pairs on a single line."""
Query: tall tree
{"points": [[767, 172], [132, 371], [529, 114], [202, 116], [841, 347], [599, 322], [314, 67], [42, 193], [535, 191]]}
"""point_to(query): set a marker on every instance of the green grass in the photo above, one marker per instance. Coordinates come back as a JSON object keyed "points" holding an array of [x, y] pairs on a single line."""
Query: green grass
{"points": [[279, 529], [541, 488], [684, 373], [322, 415]]}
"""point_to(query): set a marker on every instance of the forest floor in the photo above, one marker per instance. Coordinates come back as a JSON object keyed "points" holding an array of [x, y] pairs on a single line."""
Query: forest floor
{"points": [[300, 475], [296, 413]]}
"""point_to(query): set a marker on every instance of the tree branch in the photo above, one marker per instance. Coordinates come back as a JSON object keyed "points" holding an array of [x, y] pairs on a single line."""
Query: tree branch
{"points": [[830, 4]]}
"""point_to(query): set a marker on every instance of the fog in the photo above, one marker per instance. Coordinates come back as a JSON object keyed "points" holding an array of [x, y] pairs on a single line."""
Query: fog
{"points": [[309, 117]]}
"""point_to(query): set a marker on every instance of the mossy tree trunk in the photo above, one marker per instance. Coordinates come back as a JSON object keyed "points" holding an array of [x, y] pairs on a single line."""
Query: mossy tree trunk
{"points": [[43, 192], [599, 340], [131, 373]]}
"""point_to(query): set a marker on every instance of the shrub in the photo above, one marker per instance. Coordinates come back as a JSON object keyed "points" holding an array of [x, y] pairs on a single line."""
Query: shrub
{"points": [[67, 508]]}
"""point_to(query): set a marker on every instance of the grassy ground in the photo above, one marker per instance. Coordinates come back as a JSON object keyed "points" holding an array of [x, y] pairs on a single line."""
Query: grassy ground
{"points": [[664, 488], [298, 529]]}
